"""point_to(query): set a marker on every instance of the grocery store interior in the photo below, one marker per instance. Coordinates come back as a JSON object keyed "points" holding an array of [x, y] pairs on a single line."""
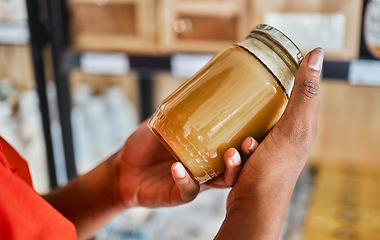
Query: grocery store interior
{"points": [[78, 76]]}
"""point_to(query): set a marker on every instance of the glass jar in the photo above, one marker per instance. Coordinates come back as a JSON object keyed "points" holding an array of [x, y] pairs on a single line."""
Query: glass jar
{"points": [[371, 27], [241, 92]]}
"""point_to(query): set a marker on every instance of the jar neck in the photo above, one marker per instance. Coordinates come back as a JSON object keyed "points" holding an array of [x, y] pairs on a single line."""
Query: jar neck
{"points": [[274, 58], [278, 49]]}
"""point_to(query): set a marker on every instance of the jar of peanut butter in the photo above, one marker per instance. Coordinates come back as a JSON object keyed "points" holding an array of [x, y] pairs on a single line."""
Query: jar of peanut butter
{"points": [[241, 92]]}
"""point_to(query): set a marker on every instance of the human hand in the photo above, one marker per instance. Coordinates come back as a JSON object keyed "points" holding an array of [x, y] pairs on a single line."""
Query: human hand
{"points": [[258, 201], [285, 149], [149, 176]]}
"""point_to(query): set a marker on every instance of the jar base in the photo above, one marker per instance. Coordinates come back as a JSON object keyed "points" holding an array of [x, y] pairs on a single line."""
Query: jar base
{"points": [[170, 149]]}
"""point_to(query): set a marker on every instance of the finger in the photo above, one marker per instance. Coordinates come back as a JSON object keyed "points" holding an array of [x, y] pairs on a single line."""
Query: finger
{"points": [[299, 119], [248, 146], [306, 86], [188, 188], [233, 166]]}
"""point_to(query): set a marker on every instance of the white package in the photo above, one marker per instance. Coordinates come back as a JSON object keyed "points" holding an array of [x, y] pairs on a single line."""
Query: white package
{"points": [[310, 30], [105, 63]]}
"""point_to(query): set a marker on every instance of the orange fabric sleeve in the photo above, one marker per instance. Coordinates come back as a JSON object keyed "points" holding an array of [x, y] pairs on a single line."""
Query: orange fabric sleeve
{"points": [[15, 162], [24, 214]]}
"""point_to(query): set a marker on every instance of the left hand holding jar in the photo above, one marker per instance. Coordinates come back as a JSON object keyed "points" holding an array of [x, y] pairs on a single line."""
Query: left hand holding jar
{"points": [[149, 176]]}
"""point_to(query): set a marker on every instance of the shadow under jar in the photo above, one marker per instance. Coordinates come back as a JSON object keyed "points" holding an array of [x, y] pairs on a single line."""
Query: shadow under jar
{"points": [[241, 92]]}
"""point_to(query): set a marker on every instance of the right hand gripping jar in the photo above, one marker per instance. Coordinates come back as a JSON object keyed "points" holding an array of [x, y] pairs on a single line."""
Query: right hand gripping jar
{"points": [[241, 92]]}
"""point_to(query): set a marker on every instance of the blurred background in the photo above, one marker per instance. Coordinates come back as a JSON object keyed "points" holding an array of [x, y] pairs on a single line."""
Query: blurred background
{"points": [[78, 76]]}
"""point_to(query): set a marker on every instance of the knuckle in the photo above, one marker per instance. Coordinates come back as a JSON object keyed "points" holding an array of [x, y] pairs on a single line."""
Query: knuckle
{"points": [[189, 197], [228, 178], [189, 192], [310, 87], [230, 182], [186, 185]]}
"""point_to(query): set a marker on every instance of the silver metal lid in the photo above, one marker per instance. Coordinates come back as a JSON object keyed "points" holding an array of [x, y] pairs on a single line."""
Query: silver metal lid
{"points": [[282, 40]]}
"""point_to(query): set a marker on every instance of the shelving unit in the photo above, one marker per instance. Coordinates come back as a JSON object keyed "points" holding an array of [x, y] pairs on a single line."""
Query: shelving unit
{"points": [[201, 26]]}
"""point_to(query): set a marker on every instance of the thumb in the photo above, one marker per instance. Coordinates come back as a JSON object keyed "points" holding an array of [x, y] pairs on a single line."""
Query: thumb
{"points": [[300, 117], [304, 97]]}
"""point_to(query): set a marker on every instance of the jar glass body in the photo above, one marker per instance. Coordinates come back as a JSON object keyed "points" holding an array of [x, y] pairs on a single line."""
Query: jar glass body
{"points": [[241, 92], [371, 27]]}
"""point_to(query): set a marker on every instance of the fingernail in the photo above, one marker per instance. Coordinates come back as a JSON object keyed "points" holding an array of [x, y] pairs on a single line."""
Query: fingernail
{"points": [[316, 59], [235, 159], [179, 171], [251, 147]]}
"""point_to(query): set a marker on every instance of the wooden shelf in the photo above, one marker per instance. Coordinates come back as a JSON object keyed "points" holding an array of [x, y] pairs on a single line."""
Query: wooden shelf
{"points": [[16, 65], [112, 25], [200, 26], [350, 12]]}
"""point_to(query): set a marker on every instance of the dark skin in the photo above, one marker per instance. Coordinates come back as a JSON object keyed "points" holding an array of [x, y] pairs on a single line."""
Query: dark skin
{"points": [[143, 173]]}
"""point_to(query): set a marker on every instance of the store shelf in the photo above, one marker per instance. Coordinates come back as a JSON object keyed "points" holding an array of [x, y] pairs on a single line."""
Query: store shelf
{"points": [[115, 25], [314, 22], [200, 26]]}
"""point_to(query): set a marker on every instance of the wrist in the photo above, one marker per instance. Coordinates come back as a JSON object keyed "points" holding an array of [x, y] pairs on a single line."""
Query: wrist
{"points": [[103, 184], [257, 210], [272, 182], [91, 200], [112, 187]]}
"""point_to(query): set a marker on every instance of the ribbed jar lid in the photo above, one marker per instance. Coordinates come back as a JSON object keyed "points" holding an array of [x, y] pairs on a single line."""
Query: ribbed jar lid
{"points": [[281, 39]]}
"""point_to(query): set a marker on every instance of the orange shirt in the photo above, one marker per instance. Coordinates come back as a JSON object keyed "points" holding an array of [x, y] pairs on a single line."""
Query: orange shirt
{"points": [[24, 214]]}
